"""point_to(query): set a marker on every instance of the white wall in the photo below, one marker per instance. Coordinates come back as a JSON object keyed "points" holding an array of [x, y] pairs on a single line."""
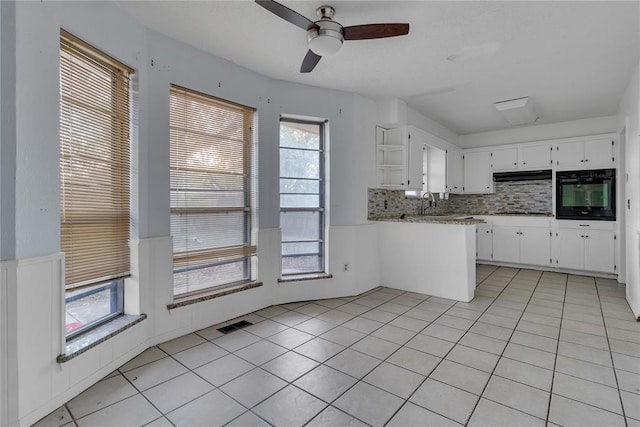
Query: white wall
{"points": [[31, 339], [628, 119], [594, 126], [7, 129]]}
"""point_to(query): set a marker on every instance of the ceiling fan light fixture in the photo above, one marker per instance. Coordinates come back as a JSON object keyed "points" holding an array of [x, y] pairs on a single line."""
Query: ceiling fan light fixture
{"points": [[325, 38]]}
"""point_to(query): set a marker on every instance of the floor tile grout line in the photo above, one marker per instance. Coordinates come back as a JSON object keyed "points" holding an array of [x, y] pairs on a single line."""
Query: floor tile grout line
{"points": [[613, 364], [443, 358], [321, 363], [73, 418], [381, 360], [493, 300], [506, 345], [555, 359]]}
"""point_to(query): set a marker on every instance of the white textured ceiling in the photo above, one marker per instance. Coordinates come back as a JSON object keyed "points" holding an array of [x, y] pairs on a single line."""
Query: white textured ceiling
{"points": [[573, 59]]}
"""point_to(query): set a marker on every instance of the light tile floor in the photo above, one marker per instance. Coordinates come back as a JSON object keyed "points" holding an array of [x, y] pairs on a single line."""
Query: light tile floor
{"points": [[532, 348]]}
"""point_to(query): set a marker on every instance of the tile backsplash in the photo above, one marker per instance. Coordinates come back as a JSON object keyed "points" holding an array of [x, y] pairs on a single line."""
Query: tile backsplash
{"points": [[513, 196]]}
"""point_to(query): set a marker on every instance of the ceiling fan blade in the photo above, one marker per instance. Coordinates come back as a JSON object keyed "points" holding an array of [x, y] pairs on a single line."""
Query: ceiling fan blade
{"points": [[309, 62], [375, 31], [285, 13]]}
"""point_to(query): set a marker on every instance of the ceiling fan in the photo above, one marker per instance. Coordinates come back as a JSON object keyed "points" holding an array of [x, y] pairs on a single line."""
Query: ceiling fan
{"points": [[325, 36]]}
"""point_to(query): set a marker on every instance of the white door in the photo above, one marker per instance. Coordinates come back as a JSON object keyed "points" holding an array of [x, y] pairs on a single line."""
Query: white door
{"points": [[506, 159], [569, 155], [569, 248], [483, 241], [477, 172], [536, 157], [598, 153], [599, 251], [535, 246], [506, 243]]}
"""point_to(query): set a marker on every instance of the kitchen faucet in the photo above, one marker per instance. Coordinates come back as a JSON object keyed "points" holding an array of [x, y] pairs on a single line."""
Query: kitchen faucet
{"points": [[432, 202]]}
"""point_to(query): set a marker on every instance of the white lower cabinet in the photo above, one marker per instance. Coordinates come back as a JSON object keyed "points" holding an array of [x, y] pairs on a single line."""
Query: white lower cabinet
{"points": [[522, 244], [536, 241], [589, 247], [484, 241]]}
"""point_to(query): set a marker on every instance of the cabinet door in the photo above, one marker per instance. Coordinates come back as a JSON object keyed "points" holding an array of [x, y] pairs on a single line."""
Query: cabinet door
{"points": [[535, 245], [506, 243], [484, 241], [416, 164], [477, 172], [569, 154], [506, 159], [536, 157], [598, 153], [455, 167], [569, 248], [599, 251]]}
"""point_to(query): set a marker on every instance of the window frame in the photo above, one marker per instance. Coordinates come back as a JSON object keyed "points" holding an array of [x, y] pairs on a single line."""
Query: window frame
{"points": [[322, 199], [244, 253], [82, 55]]}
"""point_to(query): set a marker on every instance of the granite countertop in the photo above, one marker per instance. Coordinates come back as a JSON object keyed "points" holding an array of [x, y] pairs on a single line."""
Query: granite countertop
{"points": [[456, 217], [462, 219]]}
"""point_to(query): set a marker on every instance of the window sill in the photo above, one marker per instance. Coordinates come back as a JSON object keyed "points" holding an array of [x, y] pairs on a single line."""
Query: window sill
{"points": [[93, 337], [305, 277], [193, 299]]}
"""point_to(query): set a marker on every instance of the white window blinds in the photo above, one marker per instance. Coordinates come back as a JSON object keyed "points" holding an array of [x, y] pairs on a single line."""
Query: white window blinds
{"points": [[94, 163]]}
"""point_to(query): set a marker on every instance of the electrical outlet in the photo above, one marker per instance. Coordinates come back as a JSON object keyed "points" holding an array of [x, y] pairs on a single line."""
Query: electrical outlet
{"points": [[345, 266]]}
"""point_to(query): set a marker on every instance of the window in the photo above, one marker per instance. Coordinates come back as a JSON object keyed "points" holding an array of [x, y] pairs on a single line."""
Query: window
{"points": [[302, 197], [94, 182], [211, 195]]}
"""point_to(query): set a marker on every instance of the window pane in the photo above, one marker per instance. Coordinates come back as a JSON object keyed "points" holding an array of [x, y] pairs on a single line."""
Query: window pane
{"points": [[202, 231], [207, 199], [299, 186], [299, 163], [299, 201], [301, 264], [210, 165], [300, 135], [89, 305], [301, 248], [298, 226], [208, 277]]}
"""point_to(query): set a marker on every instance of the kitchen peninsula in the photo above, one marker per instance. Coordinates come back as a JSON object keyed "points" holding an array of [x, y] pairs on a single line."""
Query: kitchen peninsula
{"points": [[432, 255]]}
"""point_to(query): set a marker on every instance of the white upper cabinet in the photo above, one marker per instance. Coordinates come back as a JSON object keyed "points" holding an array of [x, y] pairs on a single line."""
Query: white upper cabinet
{"points": [[521, 158], [477, 172], [505, 159], [535, 157], [455, 170], [417, 158], [587, 154], [436, 167], [408, 158]]}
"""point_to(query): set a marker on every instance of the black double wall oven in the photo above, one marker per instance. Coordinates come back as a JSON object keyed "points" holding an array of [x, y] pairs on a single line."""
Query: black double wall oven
{"points": [[586, 195]]}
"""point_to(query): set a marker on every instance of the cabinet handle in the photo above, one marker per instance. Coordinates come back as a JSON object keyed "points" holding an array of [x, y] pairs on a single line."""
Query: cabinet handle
{"points": [[586, 237], [524, 163], [581, 161], [582, 236], [515, 164], [586, 160]]}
